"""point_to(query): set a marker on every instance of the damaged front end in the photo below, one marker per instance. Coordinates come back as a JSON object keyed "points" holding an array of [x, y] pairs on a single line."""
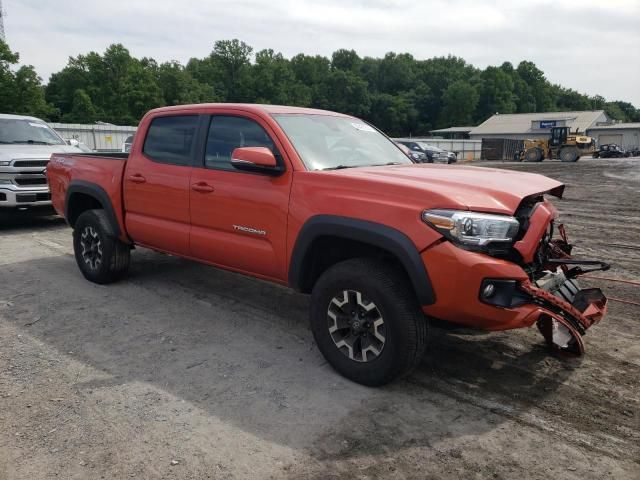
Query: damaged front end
{"points": [[566, 311]]}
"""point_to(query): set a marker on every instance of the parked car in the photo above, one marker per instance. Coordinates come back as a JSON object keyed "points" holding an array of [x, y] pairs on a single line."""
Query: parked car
{"points": [[443, 155], [433, 154], [26, 143], [611, 150], [417, 156], [324, 203], [126, 146], [634, 151]]}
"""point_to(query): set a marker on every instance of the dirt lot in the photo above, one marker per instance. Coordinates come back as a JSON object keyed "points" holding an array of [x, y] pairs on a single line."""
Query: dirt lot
{"points": [[183, 371]]}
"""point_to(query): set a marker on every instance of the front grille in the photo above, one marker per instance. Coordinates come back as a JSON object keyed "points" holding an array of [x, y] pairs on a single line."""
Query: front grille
{"points": [[33, 197], [30, 163], [34, 180]]}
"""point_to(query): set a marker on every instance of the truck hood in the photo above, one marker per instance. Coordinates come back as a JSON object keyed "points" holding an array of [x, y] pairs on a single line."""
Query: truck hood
{"points": [[460, 187], [19, 151]]}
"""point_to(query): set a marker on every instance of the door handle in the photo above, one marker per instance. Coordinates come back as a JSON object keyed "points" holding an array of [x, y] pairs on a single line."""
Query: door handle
{"points": [[136, 178], [202, 187]]}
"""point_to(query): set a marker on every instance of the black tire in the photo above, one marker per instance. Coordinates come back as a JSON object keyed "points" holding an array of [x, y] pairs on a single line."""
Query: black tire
{"points": [[569, 154], [533, 155], [101, 257], [404, 327]]}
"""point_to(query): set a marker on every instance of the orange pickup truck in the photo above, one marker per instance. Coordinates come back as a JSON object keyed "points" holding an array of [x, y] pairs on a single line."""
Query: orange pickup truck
{"points": [[328, 205]]}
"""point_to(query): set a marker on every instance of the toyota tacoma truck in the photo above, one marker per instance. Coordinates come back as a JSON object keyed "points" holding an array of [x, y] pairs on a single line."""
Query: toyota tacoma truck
{"points": [[328, 205], [26, 143]]}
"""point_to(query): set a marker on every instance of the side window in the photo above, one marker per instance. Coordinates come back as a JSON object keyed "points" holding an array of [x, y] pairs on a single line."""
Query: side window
{"points": [[226, 133], [171, 139]]}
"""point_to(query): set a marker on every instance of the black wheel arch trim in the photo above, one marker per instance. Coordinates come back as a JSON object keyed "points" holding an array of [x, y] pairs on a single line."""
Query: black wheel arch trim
{"points": [[96, 191], [378, 235]]}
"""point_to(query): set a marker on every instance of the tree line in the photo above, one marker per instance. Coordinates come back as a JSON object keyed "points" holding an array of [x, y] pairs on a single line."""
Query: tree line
{"points": [[398, 93]]}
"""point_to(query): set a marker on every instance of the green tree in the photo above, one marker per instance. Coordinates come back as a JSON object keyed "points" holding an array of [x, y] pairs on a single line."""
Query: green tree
{"points": [[460, 101], [82, 109], [21, 92], [497, 93]]}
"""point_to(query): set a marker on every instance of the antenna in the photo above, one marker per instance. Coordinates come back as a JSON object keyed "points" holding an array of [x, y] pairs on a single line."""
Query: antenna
{"points": [[2, 37]]}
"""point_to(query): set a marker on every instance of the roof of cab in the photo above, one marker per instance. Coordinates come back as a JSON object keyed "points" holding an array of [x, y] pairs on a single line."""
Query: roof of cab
{"points": [[250, 107]]}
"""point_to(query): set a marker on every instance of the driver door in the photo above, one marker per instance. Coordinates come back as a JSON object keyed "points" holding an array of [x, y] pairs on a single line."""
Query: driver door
{"points": [[238, 218]]}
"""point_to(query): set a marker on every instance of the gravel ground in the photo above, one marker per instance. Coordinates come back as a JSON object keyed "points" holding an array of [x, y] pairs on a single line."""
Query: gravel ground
{"points": [[184, 371]]}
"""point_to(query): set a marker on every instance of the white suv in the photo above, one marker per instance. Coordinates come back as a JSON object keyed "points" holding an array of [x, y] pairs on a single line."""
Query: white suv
{"points": [[26, 143]]}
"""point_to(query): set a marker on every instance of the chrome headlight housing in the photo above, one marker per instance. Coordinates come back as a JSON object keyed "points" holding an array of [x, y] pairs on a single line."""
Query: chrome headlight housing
{"points": [[473, 229]]}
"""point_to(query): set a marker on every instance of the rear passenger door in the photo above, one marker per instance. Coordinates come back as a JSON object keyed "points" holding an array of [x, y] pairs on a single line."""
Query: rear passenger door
{"points": [[239, 218], [156, 184]]}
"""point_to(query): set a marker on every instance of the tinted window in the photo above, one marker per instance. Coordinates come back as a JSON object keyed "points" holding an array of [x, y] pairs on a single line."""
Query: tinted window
{"points": [[171, 139], [227, 133]]}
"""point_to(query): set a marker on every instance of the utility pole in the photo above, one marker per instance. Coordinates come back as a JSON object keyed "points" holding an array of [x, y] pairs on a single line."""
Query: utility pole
{"points": [[1, 22]]}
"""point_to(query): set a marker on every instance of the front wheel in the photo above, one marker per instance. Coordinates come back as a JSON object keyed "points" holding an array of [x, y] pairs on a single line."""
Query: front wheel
{"points": [[569, 154], [101, 257], [367, 322], [534, 154]]}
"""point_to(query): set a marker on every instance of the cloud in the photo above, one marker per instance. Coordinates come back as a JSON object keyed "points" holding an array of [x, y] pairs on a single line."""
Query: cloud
{"points": [[590, 46]]}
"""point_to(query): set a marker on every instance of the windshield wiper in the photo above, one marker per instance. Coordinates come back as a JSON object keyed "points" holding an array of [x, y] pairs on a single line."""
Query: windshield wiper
{"points": [[385, 164], [32, 142], [340, 167]]}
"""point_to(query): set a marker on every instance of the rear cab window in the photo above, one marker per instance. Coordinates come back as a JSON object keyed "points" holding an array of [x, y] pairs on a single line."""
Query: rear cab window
{"points": [[172, 139]]}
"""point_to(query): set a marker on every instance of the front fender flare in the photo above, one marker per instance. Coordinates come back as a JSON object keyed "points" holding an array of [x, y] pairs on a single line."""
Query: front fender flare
{"points": [[378, 235]]}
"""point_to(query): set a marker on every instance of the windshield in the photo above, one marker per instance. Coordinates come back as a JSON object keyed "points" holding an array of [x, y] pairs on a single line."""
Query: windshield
{"points": [[28, 132], [326, 142], [431, 148]]}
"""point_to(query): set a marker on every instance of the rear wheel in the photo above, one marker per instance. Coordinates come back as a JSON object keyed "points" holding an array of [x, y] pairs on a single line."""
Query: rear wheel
{"points": [[569, 154], [533, 155], [101, 257], [367, 322]]}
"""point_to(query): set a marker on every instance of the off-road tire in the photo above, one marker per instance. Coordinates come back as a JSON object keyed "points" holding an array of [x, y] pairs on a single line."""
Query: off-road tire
{"points": [[386, 286], [569, 154], [533, 155], [114, 255]]}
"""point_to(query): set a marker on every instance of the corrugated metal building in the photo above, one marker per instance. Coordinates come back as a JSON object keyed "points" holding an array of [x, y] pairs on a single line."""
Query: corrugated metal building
{"points": [[521, 126], [100, 137], [626, 135]]}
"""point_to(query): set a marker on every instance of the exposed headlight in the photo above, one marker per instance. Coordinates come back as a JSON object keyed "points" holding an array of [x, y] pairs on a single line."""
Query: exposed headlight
{"points": [[472, 229], [4, 181], [5, 164]]}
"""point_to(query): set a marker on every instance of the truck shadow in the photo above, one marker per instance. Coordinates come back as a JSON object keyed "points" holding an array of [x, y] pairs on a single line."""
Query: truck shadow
{"points": [[240, 350], [15, 221]]}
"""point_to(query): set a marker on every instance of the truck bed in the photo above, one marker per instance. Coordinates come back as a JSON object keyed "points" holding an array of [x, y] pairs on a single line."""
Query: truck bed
{"points": [[84, 173]]}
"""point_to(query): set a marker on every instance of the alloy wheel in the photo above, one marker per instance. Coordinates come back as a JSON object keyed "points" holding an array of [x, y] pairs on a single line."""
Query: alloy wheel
{"points": [[356, 326], [91, 247]]}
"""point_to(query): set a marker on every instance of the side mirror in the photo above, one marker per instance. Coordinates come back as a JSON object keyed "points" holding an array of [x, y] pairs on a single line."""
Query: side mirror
{"points": [[73, 142], [256, 159]]}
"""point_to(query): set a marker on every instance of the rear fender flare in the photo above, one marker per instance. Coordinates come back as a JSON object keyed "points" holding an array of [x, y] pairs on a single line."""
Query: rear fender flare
{"points": [[378, 235], [96, 191]]}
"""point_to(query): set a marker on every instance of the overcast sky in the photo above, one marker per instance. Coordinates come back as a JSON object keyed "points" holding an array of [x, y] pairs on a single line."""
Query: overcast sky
{"points": [[592, 46]]}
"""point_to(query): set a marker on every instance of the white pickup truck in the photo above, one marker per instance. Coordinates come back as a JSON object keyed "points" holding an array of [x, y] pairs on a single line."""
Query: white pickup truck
{"points": [[26, 144]]}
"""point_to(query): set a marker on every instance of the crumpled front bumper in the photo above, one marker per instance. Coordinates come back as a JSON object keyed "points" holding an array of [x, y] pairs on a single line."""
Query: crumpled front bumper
{"points": [[459, 278], [563, 324]]}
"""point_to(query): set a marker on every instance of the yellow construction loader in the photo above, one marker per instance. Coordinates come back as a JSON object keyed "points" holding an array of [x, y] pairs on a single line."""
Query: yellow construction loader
{"points": [[562, 145]]}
